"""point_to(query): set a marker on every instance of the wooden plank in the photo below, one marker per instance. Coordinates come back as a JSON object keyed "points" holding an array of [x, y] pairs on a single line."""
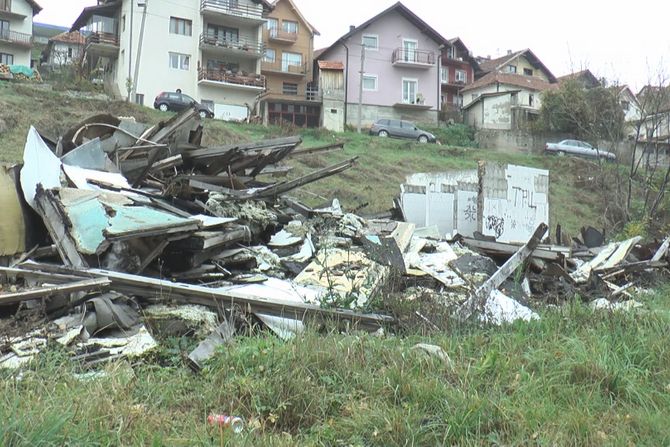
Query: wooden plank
{"points": [[662, 250], [546, 252], [165, 291], [481, 295], [55, 220], [318, 149], [97, 284], [167, 163]]}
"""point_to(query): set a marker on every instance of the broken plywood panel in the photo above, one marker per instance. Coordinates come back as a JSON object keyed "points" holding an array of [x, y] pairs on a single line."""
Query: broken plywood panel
{"points": [[12, 224]]}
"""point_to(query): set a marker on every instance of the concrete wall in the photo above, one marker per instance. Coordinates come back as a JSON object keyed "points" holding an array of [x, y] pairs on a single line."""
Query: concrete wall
{"points": [[372, 113], [493, 112], [513, 201]]}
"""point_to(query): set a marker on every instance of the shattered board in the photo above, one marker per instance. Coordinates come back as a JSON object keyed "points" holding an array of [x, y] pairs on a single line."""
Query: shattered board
{"points": [[97, 217], [348, 273]]}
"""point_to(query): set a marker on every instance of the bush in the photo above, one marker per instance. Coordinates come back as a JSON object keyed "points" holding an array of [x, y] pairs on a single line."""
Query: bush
{"points": [[456, 135]]}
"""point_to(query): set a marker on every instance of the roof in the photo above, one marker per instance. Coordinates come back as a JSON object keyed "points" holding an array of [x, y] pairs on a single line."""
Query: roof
{"points": [[105, 9], [36, 7], [584, 75], [458, 43], [517, 80], [489, 65], [311, 27], [490, 95], [405, 12], [331, 65], [319, 52], [70, 37]]}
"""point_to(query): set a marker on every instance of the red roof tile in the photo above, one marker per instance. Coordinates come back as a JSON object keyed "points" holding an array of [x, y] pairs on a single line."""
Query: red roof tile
{"points": [[517, 80], [71, 37], [331, 65]]}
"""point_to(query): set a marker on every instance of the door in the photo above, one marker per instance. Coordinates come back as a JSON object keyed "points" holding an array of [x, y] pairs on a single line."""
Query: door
{"points": [[409, 130], [395, 129], [409, 88], [4, 29], [409, 50]]}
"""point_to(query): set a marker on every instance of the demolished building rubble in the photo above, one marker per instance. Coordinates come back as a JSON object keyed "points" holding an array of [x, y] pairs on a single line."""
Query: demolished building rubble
{"points": [[119, 234]]}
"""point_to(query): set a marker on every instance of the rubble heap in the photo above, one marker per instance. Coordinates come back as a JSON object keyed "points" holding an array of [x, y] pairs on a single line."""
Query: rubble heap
{"points": [[119, 233]]}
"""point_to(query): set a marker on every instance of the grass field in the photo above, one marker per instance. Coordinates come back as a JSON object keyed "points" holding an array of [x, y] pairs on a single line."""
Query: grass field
{"points": [[375, 181], [574, 377]]}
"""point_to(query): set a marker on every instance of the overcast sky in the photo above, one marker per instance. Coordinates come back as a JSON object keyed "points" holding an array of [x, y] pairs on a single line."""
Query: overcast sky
{"points": [[628, 44]]}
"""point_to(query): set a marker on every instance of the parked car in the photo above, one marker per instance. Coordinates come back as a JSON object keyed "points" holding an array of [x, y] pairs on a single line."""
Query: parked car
{"points": [[401, 129], [176, 102], [576, 147]]}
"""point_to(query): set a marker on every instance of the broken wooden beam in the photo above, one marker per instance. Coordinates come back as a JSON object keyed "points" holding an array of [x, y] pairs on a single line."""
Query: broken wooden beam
{"points": [[89, 285], [552, 253], [662, 250], [481, 295], [317, 149]]}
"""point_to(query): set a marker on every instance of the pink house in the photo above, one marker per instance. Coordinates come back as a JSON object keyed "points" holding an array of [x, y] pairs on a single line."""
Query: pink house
{"points": [[401, 68]]}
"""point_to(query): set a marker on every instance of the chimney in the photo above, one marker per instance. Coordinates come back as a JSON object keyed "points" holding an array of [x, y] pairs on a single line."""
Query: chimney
{"points": [[351, 28]]}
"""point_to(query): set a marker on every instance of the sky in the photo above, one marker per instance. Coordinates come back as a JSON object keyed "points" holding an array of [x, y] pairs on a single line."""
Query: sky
{"points": [[627, 45]]}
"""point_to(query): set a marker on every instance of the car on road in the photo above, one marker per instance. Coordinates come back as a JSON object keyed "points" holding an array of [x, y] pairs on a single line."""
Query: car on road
{"points": [[576, 147], [176, 102], [401, 129]]}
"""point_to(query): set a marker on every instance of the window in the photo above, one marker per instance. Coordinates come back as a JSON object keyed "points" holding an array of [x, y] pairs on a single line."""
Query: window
{"points": [[139, 98], [451, 52], [370, 42], [69, 52], [409, 89], [270, 55], [4, 28], [511, 69], [7, 59], [123, 23], [409, 48], [370, 82], [444, 74], [288, 59], [180, 61], [290, 27], [272, 24], [531, 99], [461, 76], [625, 105], [528, 71], [181, 26], [290, 88], [223, 33], [217, 65]]}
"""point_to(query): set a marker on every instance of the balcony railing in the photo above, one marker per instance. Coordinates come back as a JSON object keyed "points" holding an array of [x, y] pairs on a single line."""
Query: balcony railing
{"points": [[252, 80], [102, 38], [283, 67], [417, 57], [282, 36], [222, 42], [16, 37], [237, 8]]}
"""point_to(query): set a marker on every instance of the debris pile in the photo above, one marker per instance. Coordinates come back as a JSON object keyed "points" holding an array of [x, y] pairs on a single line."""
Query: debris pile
{"points": [[118, 234]]}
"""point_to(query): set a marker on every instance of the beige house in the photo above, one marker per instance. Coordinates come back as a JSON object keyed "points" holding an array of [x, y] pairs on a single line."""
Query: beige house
{"points": [[16, 31], [210, 49], [291, 96], [509, 92]]}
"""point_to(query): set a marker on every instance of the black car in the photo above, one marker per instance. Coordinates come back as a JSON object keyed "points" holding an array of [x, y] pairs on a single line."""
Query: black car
{"points": [[176, 102]]}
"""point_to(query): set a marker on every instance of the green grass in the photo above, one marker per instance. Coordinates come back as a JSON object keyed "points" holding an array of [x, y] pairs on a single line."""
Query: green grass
{"points": [[574, 377]]}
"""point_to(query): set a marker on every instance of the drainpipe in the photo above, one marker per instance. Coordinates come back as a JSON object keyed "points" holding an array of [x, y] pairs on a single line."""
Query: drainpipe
{"points": [[130, 48], [346, 83], [439, 83]]}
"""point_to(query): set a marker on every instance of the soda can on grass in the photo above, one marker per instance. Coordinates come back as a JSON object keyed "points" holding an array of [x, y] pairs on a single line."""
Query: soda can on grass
{"points": [[236, 424]]}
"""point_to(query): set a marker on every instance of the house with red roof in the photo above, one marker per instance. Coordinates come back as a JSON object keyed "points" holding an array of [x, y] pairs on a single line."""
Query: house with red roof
{"points": [[64, 49], [508, 93]]}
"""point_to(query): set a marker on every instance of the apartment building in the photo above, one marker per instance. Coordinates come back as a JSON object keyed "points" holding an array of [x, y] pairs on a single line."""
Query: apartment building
{"points": [[16, 31], [291, 97], [209, 49]]}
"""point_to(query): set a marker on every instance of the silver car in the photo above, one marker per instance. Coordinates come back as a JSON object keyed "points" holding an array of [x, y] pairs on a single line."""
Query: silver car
{"points": [[401, 129], [576, 147]]}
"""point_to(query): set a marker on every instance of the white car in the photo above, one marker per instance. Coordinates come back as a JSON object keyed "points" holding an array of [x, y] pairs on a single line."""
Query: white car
{"points": [[576, 147]]}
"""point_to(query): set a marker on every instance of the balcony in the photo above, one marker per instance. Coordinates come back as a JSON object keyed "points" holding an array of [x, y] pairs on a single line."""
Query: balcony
{"points": [[281, 36], [7, 13], [102, 44], [246, 48], [222, 78], [16, 38], [413, 58], [284, 68], [238, 11]]}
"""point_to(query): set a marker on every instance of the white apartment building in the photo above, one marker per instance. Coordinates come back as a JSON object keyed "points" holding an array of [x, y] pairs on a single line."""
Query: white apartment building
{"points": [[16, 31], [209, 49]]}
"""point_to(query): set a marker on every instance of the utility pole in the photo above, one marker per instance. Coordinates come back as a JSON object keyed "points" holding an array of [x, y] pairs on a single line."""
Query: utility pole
{"points": [[139, 49], [360, 90], [130, 51]]}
